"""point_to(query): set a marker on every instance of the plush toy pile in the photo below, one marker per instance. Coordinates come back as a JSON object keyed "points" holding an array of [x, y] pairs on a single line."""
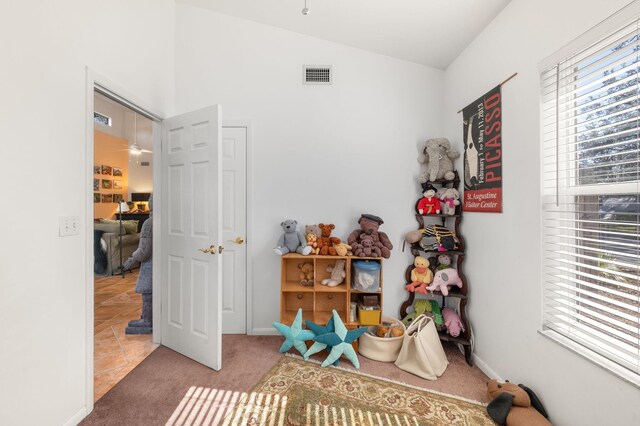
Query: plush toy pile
{"points": [[368, 239], [334, 337]]}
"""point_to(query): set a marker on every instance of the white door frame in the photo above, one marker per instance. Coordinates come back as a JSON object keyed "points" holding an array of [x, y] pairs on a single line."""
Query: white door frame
{"points": [[248, 125], [94, 81]]}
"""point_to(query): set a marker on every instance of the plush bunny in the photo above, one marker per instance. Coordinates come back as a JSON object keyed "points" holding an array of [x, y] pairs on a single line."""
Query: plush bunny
{"points": [[450, 198]]}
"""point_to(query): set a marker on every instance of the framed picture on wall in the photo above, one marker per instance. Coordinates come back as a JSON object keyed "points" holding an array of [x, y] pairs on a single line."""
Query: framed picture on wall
{"points": [[117, 171], [117, 183], [107, 184], [97, 169], [96, 197], [96, 184], [106, 170], [117, 198], [106, 198]]}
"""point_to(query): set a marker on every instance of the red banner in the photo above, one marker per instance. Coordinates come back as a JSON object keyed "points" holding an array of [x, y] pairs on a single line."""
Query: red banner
{"points": [[483, 153]]}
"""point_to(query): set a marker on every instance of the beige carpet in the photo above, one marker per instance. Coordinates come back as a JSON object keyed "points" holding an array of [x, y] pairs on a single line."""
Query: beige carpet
{"points": [[154, 390]]}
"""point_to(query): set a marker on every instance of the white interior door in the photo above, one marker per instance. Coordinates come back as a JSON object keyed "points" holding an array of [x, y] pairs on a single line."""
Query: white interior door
{"points": [[234, 224], [191, 220]]}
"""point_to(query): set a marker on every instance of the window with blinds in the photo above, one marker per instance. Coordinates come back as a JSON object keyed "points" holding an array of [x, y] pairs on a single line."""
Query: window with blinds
{"points": [[591, 197]]}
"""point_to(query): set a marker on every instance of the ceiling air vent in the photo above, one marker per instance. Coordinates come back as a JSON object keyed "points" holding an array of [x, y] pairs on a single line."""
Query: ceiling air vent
{"points": [[317, 74]]}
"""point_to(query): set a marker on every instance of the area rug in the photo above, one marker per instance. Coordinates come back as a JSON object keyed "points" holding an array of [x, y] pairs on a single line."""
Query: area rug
{"points": [[295, 392]]}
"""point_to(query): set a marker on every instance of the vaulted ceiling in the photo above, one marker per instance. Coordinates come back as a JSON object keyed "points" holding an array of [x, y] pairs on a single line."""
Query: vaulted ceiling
{"points": [[429, 32]]}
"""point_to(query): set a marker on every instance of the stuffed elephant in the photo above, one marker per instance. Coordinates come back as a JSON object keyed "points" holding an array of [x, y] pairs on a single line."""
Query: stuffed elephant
{"points": [[443, 279], [438, 157]]}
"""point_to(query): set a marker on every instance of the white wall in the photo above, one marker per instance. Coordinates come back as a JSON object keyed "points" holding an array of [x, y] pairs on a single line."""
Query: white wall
{"points": [[42, 80], [321, 153], [503, 265]]}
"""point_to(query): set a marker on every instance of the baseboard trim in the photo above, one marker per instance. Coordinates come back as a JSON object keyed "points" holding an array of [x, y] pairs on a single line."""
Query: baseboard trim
{"points": [[265, 332], [77, 417], [484, 367]]}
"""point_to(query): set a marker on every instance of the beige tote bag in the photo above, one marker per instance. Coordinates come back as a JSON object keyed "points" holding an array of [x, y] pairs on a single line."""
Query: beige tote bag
{"points": [[422, 352]]}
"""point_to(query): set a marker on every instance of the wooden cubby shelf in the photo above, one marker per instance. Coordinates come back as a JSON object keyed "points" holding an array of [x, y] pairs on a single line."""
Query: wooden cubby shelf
{"points": [[318, 301]]}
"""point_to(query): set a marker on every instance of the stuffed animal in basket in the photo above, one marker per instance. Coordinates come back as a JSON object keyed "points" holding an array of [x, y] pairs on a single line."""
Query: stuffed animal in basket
{"points": [[429, 203], [443, 279], [450, 198], [438, 157], [452, 322], [292, 241], [342, 249], [338, 274], [421, 275], [369, 225], [326, 241], [306, 273], [515, 405]]}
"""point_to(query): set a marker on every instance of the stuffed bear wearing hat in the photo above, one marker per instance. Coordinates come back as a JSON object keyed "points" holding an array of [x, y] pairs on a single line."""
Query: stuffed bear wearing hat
{"points": [[515, 405], [369, 225]]}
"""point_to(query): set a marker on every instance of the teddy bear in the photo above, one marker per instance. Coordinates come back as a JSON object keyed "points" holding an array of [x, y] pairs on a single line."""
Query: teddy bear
{"points": [[367, 247], [312, 241], [306, 273], [311, 229], [369, 225], [444, 278], [429, 203], [326, 241], [292, 241], [421, 275], [452, 322], [438, 157], [450, 198], [342, 249], [338, 274], [515, 405]]}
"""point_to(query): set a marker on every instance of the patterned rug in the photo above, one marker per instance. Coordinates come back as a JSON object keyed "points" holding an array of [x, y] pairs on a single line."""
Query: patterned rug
{"points": [[295, 392]]}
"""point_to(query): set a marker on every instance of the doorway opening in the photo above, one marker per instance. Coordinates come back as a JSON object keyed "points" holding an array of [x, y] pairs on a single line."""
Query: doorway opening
{"points": [[122, 188]]}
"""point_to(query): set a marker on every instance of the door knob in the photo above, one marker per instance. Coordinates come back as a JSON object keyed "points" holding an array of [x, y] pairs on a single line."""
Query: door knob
{"points": [[210, 250], [239, 241]]}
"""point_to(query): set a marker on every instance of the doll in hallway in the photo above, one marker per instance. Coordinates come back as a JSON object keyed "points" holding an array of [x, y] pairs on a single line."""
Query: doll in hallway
{"points": [[142, 256]]}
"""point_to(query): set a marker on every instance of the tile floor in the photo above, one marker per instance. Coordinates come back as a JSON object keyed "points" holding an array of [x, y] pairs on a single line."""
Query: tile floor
{"points": [[115, 353]]}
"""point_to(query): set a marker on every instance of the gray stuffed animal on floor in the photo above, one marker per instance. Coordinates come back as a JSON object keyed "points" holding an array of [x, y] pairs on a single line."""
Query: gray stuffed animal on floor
{"points": [[292, 241]]}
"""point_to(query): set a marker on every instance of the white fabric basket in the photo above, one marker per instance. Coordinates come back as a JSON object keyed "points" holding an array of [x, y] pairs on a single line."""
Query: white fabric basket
{"points": [[380, 348]]}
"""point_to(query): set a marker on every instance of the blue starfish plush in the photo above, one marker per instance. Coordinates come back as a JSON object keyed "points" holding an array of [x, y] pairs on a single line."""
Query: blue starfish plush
{"points": [[294, 336], [319, 330], [341, 341]]}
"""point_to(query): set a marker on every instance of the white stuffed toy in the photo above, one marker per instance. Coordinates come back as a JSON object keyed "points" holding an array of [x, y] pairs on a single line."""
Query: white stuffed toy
{"points": [[337, 274], [450, 198], [438, 157]]}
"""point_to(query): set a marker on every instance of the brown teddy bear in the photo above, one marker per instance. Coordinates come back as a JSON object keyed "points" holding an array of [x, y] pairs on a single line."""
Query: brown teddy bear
{"points": [[369, 225], [326, 241], [515, 405], [367, 247], [306, 273]]}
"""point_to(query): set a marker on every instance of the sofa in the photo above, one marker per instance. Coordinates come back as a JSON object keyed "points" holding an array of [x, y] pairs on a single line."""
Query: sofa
{"points": [[107, 247]]}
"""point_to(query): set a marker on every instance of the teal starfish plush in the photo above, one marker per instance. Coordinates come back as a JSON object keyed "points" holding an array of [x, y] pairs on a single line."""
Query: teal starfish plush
{"points": [[319, 330], [341, 341], [294, 336]]}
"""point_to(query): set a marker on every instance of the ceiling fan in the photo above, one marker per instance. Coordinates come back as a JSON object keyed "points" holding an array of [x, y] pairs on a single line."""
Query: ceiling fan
{"points": [[135, 148]]}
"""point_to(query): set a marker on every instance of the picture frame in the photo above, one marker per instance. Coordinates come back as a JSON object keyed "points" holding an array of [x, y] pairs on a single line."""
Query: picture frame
{"points": [[117, 171], [96, 197], [106, 198], [106, 170], [118, 198], [117, 183], [97, 169], [107, 184], [96, 184]]}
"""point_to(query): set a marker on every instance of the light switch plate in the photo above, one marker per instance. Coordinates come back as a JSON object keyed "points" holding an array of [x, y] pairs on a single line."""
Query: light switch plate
{"points": [[69, 225]]}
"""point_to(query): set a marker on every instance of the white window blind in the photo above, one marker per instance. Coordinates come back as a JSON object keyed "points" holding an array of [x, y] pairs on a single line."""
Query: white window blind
{"points": [[591, 205]]}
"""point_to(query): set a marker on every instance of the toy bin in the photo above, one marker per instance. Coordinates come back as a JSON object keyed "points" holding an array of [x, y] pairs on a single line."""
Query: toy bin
{"points": [[366, 276], [368, 316], [384, 349]]}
